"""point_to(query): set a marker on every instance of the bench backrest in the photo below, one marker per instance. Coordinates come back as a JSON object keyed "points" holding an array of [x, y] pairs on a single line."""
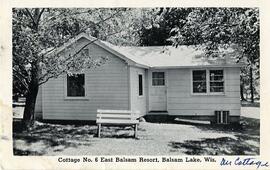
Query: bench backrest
{"points": [[117, 116]]}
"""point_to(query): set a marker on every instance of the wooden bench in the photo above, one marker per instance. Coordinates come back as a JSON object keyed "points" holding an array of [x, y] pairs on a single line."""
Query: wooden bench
{"points": [[117, 118]]}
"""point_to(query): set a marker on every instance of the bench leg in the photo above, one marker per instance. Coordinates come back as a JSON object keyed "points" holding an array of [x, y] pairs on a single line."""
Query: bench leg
{"points": [[135, 131], [99, 129]]}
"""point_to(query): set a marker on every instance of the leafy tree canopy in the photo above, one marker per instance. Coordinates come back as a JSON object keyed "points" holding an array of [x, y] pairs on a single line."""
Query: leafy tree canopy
{"points": [[221, 27]]}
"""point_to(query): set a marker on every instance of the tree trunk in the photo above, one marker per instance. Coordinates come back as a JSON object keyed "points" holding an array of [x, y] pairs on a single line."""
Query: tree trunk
{"points": [[29, 110], [251, 84]]}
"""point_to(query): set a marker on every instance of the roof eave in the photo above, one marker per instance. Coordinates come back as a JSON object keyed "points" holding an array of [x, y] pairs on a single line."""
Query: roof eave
{"points": [[123, 57], [198, 66], [140, 65], [100, 44], [71, 41]]}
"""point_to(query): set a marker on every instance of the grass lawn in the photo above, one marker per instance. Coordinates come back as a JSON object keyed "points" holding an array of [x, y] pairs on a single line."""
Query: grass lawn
{"points": [[175, 138]]}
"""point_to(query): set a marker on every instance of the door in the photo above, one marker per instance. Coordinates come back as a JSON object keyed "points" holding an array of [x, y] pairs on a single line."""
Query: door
{"points": [[158, 91]]}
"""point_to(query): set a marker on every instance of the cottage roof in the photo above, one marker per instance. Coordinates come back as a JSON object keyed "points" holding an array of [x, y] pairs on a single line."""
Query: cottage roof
{"points": [[164, 56], [170, 57]]}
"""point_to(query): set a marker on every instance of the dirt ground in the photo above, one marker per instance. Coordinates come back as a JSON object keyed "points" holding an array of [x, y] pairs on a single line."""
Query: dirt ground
{"points": [[174, 138]]}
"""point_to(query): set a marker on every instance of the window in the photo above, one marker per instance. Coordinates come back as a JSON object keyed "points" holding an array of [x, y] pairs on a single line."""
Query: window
{"points": [[76, 85], [158, 79], [199, 81], [216, 81], [140, 84], [207, 81]]}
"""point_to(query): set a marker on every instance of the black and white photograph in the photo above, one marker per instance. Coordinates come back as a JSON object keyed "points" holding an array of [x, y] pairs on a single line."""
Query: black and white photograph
{"points": [[136, 81]]}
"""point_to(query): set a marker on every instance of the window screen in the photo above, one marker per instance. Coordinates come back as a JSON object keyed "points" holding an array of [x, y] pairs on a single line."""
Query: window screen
{"points": [[199, 81], [216, 81], [158, 78], [75, 85]]}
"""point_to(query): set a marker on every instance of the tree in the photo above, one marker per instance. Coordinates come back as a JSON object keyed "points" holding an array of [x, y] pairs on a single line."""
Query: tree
{"points": [[160, 29], [212, 28], [37, 33]]}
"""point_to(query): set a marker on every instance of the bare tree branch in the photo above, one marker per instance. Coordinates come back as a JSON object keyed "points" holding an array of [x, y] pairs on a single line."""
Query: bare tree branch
{"points": [[30, 15], [103, 20], [40, 14], [59, 15], [22, 82], [17, 72], [20, 21], [49, 77]]}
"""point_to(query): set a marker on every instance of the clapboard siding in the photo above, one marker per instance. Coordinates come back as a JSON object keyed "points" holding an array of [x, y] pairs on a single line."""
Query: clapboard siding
{"points": [[138, 102], [230, 82], [204, 106], [229, 88], [106, 88], [212, 99], [188, 94], [181, 101]]}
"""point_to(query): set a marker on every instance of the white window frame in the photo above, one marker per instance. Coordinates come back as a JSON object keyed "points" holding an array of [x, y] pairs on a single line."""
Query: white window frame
{"points": [[73, 97], [217, 93], [192, 82], [208, 81], [165, 80]]}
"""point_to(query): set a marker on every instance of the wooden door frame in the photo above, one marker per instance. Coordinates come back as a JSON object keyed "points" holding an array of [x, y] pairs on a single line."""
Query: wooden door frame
{"points": [[150, 71]]}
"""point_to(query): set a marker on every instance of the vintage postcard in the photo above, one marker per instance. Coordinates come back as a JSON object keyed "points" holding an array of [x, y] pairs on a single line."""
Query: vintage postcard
{"points": [[134, 85]]}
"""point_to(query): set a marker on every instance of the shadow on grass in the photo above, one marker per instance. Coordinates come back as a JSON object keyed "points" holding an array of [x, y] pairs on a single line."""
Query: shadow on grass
{"points": [[19, 152], [247, 126], [216, 146], [245, 142], [44, 136]]}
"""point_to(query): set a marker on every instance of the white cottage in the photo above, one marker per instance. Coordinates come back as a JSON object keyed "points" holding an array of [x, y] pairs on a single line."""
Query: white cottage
{"points": [[160, 82]]}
